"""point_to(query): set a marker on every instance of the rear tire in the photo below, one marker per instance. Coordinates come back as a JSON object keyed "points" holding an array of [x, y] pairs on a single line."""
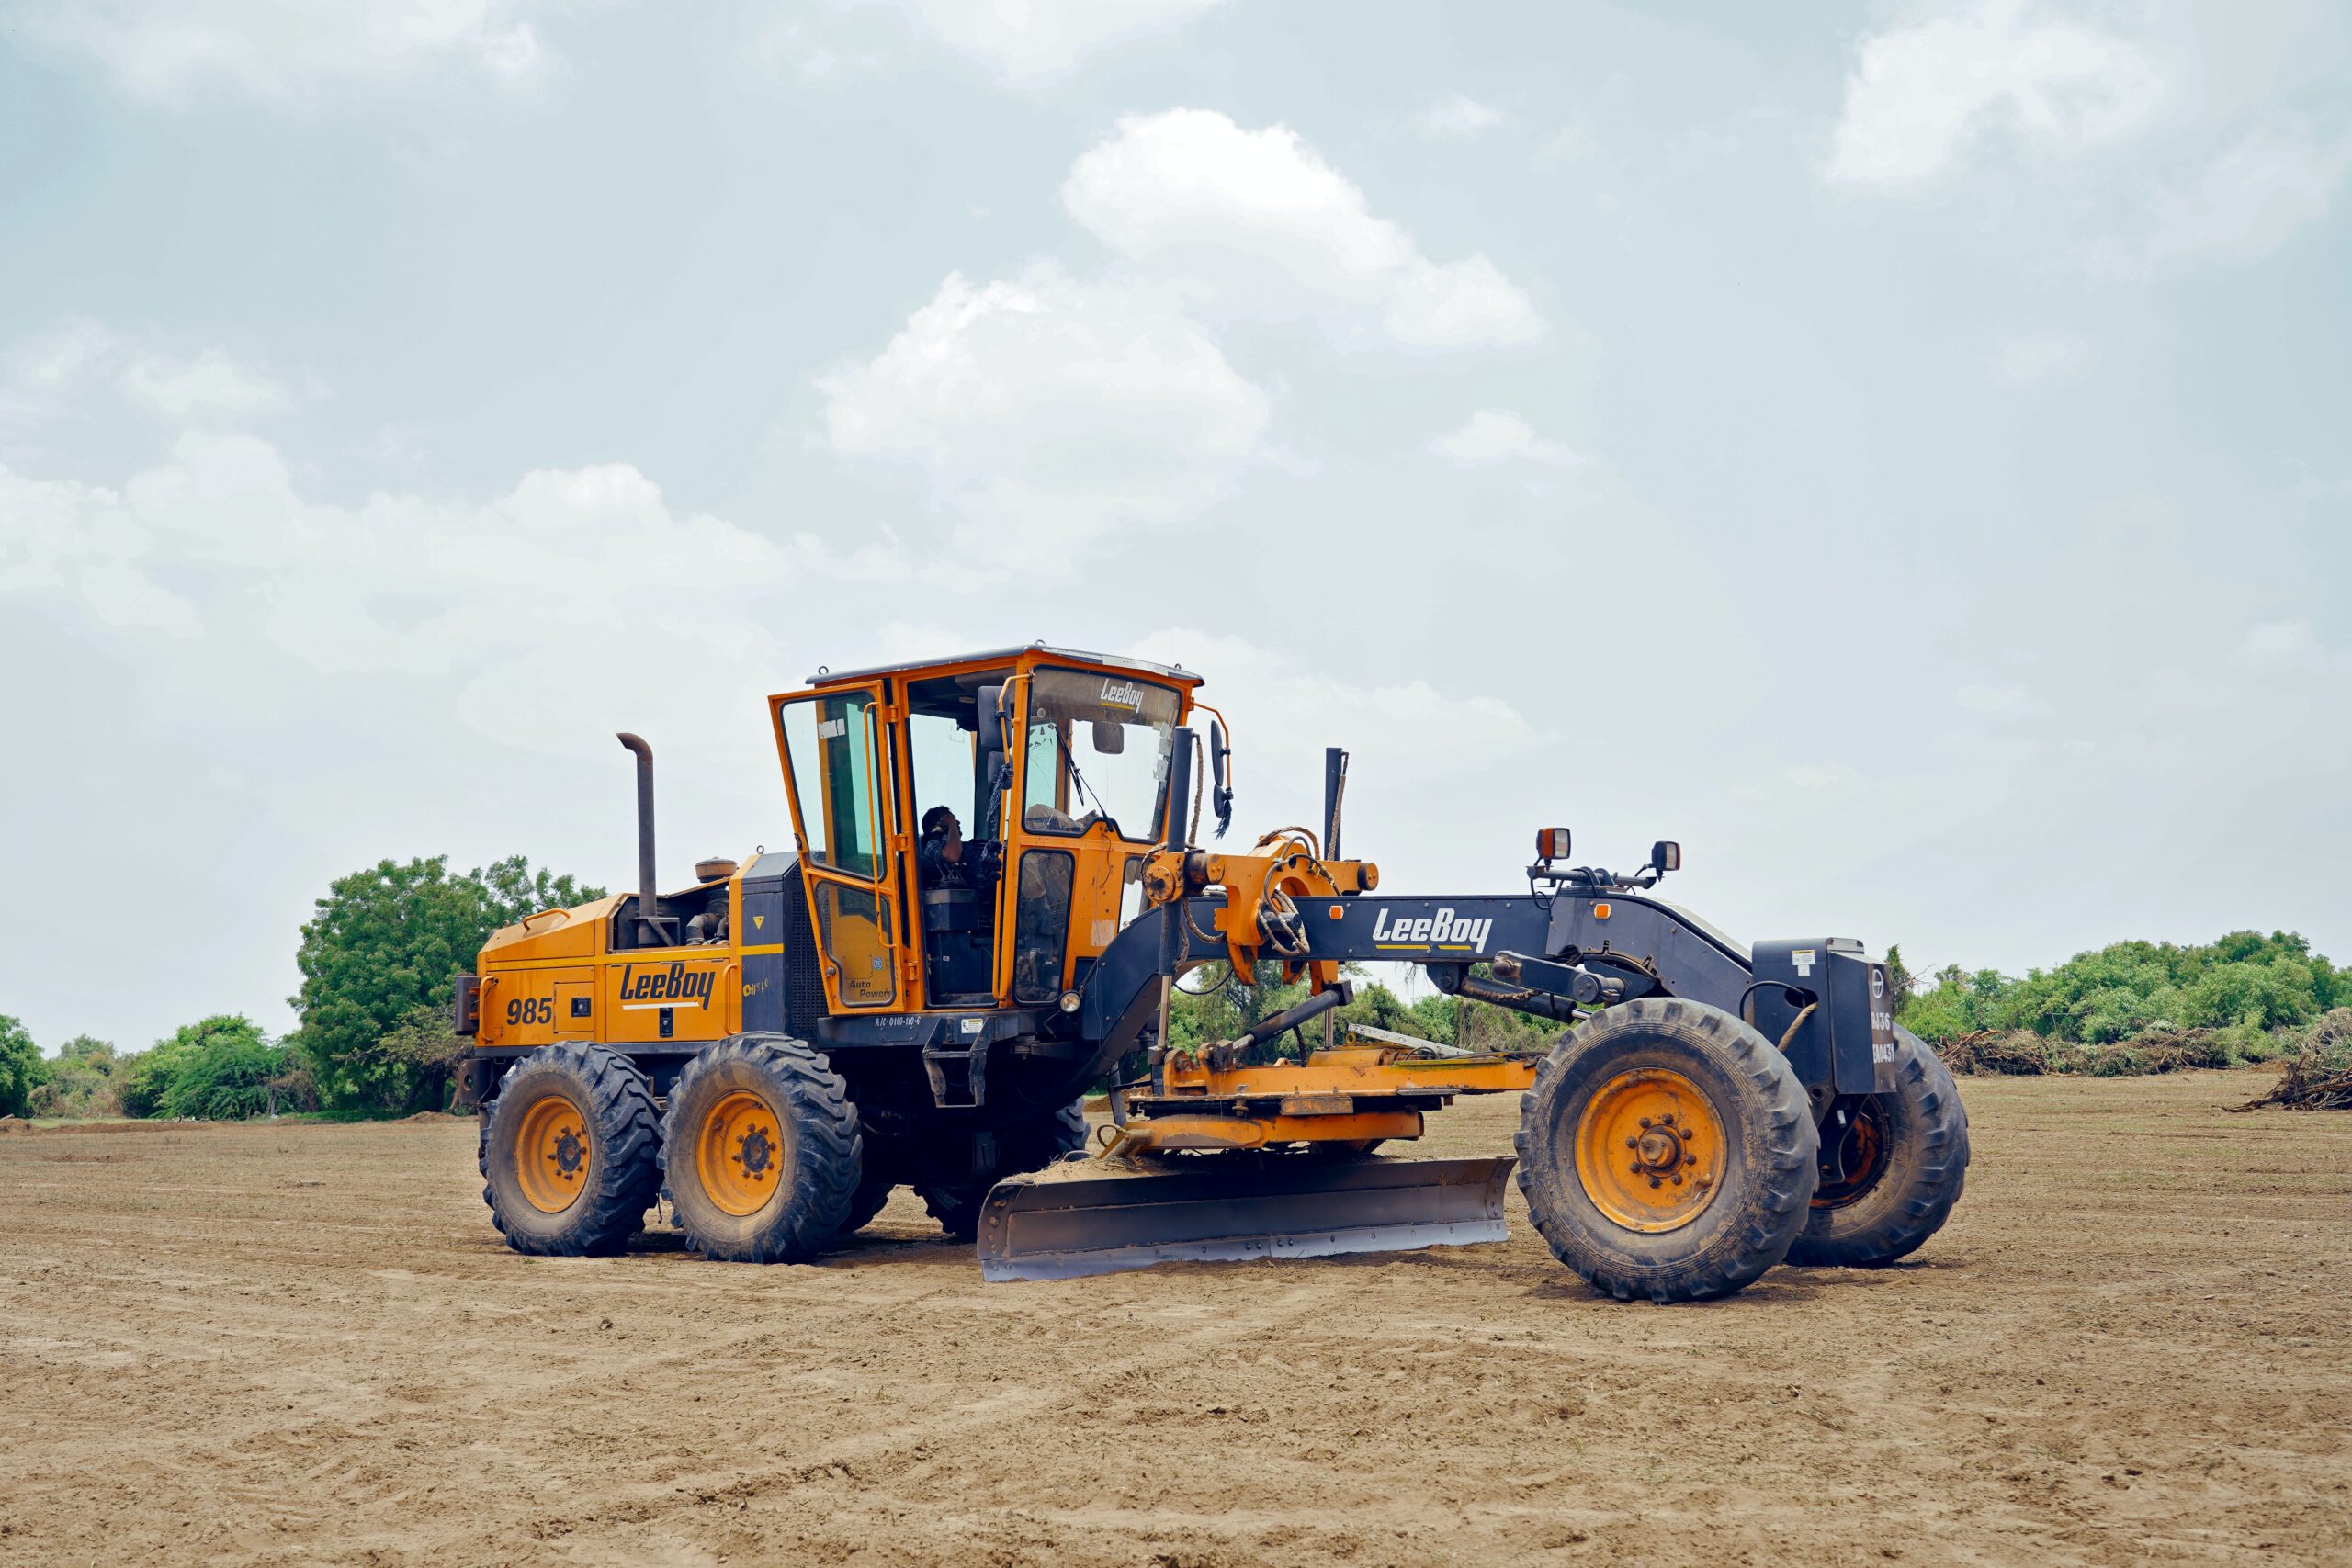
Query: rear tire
{"points": [[1644, 1093], [1907, 1156], [1022, 1148], [569, 1152], [761, 1148]]}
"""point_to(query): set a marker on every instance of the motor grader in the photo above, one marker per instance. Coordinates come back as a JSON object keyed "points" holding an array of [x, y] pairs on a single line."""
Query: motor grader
{"points": [[779, 1046]]}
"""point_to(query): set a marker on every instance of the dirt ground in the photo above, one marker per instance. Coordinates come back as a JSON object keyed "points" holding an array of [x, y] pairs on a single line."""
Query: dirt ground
{"points": [[304, 1344]]}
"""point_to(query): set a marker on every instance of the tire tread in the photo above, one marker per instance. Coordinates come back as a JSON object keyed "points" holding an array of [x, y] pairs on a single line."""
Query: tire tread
{"points": [[1785, 1184], [628, 1171]]}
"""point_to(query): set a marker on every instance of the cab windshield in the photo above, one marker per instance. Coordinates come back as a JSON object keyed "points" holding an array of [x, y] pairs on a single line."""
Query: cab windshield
{"points": [[1097, 751]]}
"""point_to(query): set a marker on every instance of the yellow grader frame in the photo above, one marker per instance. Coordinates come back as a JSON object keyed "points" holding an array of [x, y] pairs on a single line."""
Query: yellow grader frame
{"points": [[903, 1001]]}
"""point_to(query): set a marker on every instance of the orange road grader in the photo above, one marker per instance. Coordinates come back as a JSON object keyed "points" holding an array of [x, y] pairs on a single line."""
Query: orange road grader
{"points": [[901, 1000]]}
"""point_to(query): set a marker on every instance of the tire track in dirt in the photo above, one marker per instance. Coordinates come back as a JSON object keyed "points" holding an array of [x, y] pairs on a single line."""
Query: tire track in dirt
{"points": [[302, 1344]]}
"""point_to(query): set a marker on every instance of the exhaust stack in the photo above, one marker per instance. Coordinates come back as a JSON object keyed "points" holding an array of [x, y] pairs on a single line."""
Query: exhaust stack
{"points": [[649, 903]]}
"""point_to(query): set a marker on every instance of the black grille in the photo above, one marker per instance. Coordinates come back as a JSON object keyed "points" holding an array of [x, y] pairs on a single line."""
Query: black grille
{"points": [[803, 985]]}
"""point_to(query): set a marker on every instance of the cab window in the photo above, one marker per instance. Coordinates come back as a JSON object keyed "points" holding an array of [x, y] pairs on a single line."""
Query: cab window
{"points": [[830, 742], [1098, 749]]}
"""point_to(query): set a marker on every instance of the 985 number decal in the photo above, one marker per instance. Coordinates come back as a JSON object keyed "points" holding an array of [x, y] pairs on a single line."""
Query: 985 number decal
{"points": [[531, 1009]]}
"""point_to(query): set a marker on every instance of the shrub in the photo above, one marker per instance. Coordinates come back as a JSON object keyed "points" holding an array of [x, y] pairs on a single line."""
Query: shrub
{"points": [[226, 1074], [221, 1069], [143, 1080], [21, 1067], [81, 1081], [2242, 982], [427, 1048]]}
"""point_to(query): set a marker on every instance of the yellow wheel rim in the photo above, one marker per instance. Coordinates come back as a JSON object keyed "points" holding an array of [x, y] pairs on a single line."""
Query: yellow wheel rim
{"points": [[1864, 1148], [740, 1154], [551, 1150], [1650, 1150]]}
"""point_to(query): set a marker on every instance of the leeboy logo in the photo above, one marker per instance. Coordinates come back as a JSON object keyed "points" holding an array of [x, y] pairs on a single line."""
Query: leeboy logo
{"points": [[1441, 930], [667, 983], [1121, 696]]}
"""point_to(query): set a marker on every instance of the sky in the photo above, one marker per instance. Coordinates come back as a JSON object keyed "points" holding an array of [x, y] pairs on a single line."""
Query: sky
{"points": [[1897, 451]]}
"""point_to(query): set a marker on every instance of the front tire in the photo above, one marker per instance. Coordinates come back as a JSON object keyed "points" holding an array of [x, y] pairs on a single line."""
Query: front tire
{"points": [[759, 1146], [1667, 1151], [1902, 1159], [569, 1152]]}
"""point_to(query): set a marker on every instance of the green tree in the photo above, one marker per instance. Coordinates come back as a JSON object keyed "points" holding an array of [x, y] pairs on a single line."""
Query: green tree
{"points": [[427, 1046], [220, 1070], [2244, 981], [388, 941], [141, 1080], [22, 1070], [81, 1080], [1899, 978], [511, 892]]}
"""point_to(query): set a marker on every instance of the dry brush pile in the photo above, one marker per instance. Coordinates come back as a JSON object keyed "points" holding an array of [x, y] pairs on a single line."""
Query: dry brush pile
{"points": [[2317, 1062], [2319, 1077]]}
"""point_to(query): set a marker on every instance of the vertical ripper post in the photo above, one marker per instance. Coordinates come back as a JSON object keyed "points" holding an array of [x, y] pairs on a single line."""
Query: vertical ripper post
{"points": [[1334, 793], [1180, 794]]}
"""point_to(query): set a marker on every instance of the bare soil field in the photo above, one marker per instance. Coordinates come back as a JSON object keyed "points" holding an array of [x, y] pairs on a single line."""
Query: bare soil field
{"points": [[296, 1344]]}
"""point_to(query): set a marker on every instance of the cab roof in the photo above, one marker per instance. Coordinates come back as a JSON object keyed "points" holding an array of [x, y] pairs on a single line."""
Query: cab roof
{"points": [[1172, 672]]}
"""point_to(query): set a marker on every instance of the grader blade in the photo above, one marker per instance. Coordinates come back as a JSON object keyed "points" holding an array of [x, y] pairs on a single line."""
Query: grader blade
{"points": [[1070, 1221]]}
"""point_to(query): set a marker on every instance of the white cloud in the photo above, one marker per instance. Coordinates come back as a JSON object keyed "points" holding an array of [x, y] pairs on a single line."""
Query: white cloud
{"points": [[1045, 410], [1266, 693], [1458, 117], [2243, 205], [1031, 41], [1830, 778], [55, 374], [515, 598], [2281, 645], [1497, 435], [2030, 359], [77, 542], [1042, 411], [2009, 702], [1921, 97], [211, 383], [291, 52], [1254, 224]]}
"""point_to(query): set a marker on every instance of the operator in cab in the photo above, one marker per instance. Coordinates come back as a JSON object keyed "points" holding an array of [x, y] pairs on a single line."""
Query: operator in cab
{"points": [[942, 859]]}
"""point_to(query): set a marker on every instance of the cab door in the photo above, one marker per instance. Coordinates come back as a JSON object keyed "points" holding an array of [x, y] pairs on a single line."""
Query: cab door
{"points": [[834, 760], [1036, 897]]}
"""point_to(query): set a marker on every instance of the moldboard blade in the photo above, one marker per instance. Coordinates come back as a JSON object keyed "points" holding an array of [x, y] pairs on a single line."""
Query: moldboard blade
{"points": [[1227, 1208]]}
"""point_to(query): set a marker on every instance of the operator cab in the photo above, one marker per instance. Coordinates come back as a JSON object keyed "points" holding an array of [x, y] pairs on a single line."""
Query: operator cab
{"points": [[973, 831]]}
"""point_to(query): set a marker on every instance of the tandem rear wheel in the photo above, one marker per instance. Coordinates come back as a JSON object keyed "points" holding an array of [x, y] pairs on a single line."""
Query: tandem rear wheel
{"points": [[1667, 1151], [760, 1151], [1892, 1167], [568, 1152]]}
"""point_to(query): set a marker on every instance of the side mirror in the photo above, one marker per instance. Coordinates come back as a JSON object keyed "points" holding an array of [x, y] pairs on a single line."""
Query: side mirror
{"points": [[1221, 797], [991, 718], [1552, 843], [1666, 855], [1109, 739]]}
